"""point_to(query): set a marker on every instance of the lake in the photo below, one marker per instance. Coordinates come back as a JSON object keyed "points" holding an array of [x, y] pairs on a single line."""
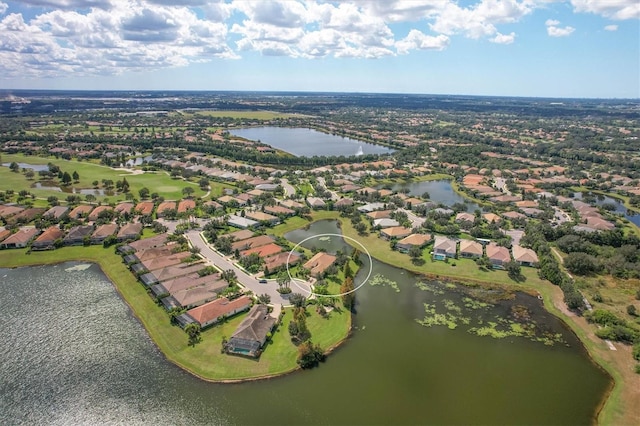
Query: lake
{"points": [[73, 353], [440, 191], [620, 209], [35, 167], [303, 142]]}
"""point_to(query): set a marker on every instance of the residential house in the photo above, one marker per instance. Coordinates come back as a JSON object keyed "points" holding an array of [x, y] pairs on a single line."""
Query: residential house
{"points": [[465, 217], [267, 187], [470, 249], [241, 222], [277, 261], [242, 234], [186, 205], [103, 232], [20, 239], [380, 214], [444, 247], [8, 211], [144, 208], [263, 217], [147, 243], [47, 239], [395, 232], [491, 217], [413, 240], [319, 263], [164, 207], [4, 233], [251, 335], [95, 213], [316, 203], [252, 242], [185, 282], [161, 262], [263, 251], [367, 208], [343, 202], [26, 215], [170, 272], [82, 210], [385, 223], [130, 231], [56, 212], [498, 255], [524, 256], [216, 310], [76, 235], [279, 211], [124, 208], [513, 215], [532, 212], [291, 204]]}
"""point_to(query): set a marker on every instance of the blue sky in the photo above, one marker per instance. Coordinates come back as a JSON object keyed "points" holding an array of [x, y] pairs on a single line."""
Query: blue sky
{"points": [[548, 48]]}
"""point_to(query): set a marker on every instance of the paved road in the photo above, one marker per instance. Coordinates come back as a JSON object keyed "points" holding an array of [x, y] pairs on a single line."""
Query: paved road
{"points": [[323, 183], [250, 282], [416, 221], [288, 188]]}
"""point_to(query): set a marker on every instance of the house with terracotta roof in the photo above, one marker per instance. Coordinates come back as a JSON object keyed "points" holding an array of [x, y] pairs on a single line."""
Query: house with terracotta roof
{"points": [[470, 249], [77, 235], [47, 239], [160, 262], [444, 247], [380, 214], [129, 231], [147, 243], [102, 232], [343, 202], [319, 263], [277, 261], [491, 217], [413, 240], [82, 210], [123, 208], [4, 233], [186, 204], [56, 212], [395, 232], [170, 272], [252, 242], [20, 239], [176, 285], [164, 207], [95, 213], [242, 234], [251, 335], [524, 256], [316, 203], [216, 310], [498, 255], [144, 208], [465, 217], [513, 215], [26, 215], [279, 211], [8, 211], [291, 204], [263, 251]]}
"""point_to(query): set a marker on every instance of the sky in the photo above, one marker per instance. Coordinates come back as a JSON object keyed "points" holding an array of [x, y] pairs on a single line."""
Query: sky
{"points": [[539, 48]]}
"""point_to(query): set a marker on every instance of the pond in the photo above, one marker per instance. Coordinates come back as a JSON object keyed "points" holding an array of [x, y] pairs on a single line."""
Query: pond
{"points": [[440, 191], [91, 362], [619, 208], [303, 142], [137, 161], [52, 186], [35, 167]]}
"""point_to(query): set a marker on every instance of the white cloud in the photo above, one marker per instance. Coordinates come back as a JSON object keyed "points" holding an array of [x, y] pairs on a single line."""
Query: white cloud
{"points": [[69, 4], [614, 9], [504, 38], [3, 8], [555, 31], [416, 40], [611, 28]]}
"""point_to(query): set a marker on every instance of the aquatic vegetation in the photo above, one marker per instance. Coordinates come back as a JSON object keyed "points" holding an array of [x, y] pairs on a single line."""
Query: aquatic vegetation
{"points": [[379, 280], [470, 303], [431, 288]]}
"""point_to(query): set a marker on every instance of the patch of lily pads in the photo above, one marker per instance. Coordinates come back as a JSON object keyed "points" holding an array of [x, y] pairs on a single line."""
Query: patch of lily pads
{"points": [[380, 280]]}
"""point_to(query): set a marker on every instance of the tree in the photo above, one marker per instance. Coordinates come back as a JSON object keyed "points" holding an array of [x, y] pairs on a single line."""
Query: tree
{"points": [[193, 331], [581, 263], [513, 270], [631, 310], [309, 355], [187, 191], [125, 185], [204, 183], [66, 178], [14, 167], [229, 276], [29, 174], [264, 299], [144, 192], [415, 252], [76, 176], [297, 300], [347, 287], [284, 282]]}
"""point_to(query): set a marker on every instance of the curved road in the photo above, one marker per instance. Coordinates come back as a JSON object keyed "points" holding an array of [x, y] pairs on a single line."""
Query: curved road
{"points": [[247, 281]]}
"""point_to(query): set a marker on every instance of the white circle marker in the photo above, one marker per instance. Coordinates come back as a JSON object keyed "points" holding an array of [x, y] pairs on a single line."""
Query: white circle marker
{"points": [[330, 235]]}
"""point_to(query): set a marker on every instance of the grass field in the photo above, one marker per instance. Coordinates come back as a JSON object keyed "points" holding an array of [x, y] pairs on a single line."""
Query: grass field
{"points": [[204, 359], [159, 182]]}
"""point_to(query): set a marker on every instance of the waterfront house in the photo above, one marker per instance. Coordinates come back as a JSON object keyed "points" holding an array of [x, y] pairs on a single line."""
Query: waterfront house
{"points": [[316, 203], [76, 235], [214, 311], [279, 260], [170, 272], [147, 243], [498, 255], [160, 262], [319, 263], [250, 336], [524, 256], [185, 282], [413, 240], [444, 247], [103, 232], [470, 249], [395, 232], [130, 231], [47, 239], [21, 238]]}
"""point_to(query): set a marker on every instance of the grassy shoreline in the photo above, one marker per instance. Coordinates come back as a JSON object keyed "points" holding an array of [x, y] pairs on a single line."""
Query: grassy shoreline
{"points": [[204, 360]]}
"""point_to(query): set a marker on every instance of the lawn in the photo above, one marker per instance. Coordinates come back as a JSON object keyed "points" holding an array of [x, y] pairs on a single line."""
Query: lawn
{"points": [[158, 182], [205, 359]]}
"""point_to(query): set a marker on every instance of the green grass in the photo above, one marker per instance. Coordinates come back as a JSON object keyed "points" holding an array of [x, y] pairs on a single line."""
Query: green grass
{"points": [[257, 115], [159, 182], [205, 359]]}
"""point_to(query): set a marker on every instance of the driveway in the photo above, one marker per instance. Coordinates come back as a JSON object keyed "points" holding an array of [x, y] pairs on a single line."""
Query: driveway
{"points": [[289, 190], [247, 281]]}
